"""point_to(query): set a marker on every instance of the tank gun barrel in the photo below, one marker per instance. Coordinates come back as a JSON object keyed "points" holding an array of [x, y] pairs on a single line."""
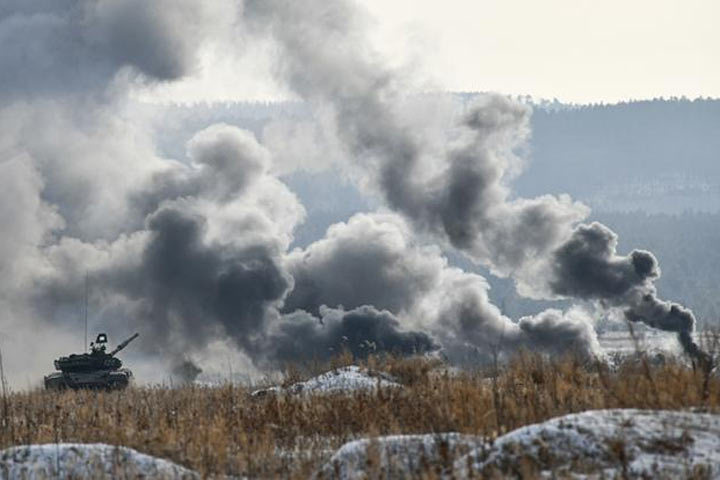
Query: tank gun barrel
{"points": [[124, 344]]}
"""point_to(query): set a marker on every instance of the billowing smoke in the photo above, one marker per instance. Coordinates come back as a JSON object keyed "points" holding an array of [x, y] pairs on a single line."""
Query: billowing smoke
{"points": [[194, 252], [458, 192], [559, 332], [215, 234], [207, 261], [370, 260], [587, 266], [374, 259], [362, 331], [190, 287]]}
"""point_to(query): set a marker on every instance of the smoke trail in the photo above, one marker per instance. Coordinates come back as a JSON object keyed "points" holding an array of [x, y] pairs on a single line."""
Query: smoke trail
{"points": [[586, 266]]}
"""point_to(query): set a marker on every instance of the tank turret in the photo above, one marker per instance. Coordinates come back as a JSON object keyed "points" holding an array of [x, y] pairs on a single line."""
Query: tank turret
{"points": [[97, 369]]}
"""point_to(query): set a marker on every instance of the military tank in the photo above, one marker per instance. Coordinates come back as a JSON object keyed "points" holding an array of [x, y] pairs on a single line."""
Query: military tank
{"points": [[95, 370]]}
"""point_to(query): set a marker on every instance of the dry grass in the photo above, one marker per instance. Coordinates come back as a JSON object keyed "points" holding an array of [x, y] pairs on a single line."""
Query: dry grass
{"points": [[223, 431]]}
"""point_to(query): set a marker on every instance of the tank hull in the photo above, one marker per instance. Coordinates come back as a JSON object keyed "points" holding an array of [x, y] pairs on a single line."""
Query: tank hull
{"points": [[99, 380]]}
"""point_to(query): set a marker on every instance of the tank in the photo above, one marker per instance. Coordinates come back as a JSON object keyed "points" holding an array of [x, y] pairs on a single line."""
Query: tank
{"points": [[95, 370]]}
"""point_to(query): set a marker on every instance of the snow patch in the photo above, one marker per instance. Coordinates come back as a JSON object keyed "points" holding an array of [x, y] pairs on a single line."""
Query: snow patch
{"points": [[591, 445], [78, 460], [605, 443], [398, 456], [345, 379]]}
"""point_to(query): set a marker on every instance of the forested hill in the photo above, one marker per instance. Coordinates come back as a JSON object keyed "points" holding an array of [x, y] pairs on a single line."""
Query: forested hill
{"points": [[658, 156]]}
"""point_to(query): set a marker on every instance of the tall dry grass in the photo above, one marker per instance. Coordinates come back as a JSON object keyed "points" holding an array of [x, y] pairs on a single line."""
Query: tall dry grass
{"points": [[222, 430]]}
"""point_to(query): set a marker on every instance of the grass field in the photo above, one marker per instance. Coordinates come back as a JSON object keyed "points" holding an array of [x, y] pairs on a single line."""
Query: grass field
{"points": [[222, 430]]}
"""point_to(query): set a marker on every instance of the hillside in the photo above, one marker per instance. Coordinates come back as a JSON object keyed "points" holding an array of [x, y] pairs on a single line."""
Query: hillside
{"points": [[658, 156]]}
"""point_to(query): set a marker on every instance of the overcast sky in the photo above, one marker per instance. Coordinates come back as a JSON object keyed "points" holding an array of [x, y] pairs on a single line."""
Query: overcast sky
{"points": [[575, 50]]}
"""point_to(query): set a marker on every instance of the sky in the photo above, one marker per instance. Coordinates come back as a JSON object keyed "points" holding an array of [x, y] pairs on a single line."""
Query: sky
{"points": [[578, 51]]}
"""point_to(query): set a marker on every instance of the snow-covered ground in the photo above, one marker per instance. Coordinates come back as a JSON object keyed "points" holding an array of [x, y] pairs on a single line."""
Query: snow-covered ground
{"points": [[628, 443], [345, 379], [398, 456], [608, 444], [93, 460], [593, 444]]}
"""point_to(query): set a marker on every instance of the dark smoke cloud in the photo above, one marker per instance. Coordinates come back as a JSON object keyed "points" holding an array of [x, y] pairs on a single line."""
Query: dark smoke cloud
{"points": [[667, 316], [187, 285], [208, 262], [204, 264], [73, 150], [191, 287], [370, 260], [373, 259], [588, 267], [361, 331]]}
